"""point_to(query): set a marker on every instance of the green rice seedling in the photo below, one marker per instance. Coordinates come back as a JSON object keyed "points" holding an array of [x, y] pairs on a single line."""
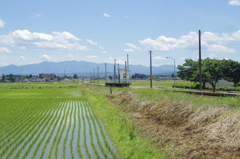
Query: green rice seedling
{"points": [[85, 132], [96, 133], [104, 136], [67, 131], [58, 129], [21, 140], [79, 130], [62, 130], [74, 128], [91, 132], [43, 133], [50, 133]]}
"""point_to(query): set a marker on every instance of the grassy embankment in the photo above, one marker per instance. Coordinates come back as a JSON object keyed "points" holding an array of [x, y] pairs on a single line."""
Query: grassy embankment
{"points": [[180, 125]]}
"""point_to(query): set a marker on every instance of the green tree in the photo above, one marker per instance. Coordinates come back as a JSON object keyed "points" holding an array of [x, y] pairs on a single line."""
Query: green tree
{"points": [[3, 78], [75, 76], [11, 78], [231, 71], [213, 71], [189, 71]]}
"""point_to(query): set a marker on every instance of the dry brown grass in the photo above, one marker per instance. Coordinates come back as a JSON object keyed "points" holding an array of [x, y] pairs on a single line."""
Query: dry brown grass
{"points": [[182, 130]]}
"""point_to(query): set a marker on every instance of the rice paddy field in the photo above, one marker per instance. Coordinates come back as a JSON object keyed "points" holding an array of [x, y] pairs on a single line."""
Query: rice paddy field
{"points": [[50, 121]]}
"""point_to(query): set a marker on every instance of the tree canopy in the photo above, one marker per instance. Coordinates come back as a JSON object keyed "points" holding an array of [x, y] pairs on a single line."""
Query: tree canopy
{"points": [[212, 71]]}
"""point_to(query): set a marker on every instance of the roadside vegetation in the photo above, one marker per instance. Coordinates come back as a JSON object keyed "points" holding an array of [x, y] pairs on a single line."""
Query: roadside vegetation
{"points": [[180, 125]]}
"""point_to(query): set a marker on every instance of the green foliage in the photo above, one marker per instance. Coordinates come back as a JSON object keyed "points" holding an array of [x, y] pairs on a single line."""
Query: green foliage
{"points": [[212, 71], [231, 71], [141, 76], [122, 133]]}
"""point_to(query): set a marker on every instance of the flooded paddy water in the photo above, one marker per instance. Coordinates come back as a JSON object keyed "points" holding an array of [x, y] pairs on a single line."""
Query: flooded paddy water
{"points": [[59, 129]]}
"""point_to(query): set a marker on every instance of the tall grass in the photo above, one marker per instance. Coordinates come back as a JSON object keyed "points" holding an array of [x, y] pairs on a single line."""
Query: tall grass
{"points": [[122, 132]]}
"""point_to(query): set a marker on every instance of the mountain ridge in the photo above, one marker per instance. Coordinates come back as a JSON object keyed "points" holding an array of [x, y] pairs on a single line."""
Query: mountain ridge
{"points": [[81, 68]]}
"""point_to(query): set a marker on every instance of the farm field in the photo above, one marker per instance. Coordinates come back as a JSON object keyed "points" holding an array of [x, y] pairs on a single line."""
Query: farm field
{"points": [[50, 123]]}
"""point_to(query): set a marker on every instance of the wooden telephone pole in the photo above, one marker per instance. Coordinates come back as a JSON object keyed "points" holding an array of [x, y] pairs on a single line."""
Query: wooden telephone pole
{"points": [[150, 69], [200, 62]]}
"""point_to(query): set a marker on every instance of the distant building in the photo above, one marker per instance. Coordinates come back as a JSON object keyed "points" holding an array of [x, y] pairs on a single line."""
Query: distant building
{"points": [[48, 76]]}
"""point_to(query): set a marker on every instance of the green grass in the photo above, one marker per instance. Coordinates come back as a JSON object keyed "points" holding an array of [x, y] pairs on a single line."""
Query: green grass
{"points": [[123, 134]]}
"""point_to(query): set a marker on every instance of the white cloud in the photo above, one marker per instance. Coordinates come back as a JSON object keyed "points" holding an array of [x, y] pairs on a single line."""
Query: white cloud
{"points": [[129, 50], [104, 52], [100, 47], [36, 15], [4, 49], [133, 46], [212, 56], [70, 55], [91, 57], [219, 48], [210, 41], [25, 39], [91, 42], [234, 2], [106, 15], [225, 58], [159, 58], [45, 57], [22, 57], [2, 23]]}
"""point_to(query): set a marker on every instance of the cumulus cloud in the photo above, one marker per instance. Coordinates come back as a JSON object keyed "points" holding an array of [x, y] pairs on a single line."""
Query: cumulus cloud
{"points": [[234, 2], [106, 15], [2, 23], [129, 50], [22, 57], [4, 49], [210, 41], [212, 56], [132, 47], [220, 49], [25, 39], [104, 52], [91, 57], [45, 57], [91, 42]]}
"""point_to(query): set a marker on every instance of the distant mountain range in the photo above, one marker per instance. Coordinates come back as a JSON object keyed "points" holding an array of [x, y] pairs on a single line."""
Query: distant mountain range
{"points": [[81, 68]]}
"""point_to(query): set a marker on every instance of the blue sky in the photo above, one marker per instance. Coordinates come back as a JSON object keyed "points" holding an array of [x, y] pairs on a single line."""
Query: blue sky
{"points": [[101, 31]]}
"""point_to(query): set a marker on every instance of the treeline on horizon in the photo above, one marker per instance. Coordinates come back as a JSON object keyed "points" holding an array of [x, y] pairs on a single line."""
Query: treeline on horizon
{"points": [[213, 70]]}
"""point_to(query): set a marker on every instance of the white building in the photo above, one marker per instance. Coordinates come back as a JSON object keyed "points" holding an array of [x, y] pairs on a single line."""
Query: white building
{"points": [[123, 75]]}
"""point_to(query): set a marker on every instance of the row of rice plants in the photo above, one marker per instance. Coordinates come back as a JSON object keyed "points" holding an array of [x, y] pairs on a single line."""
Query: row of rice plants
{"points": [[52, 128], [101, 136], [33, 137], [14, 122], [24, 135]]}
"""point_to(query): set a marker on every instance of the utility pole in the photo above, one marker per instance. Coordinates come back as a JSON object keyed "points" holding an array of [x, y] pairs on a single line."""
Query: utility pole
{"points": [[106, 71], [125, 71], [200, 62], [150, 69], [94, 76], [98, 74], [114, 75], [90, 77]]}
